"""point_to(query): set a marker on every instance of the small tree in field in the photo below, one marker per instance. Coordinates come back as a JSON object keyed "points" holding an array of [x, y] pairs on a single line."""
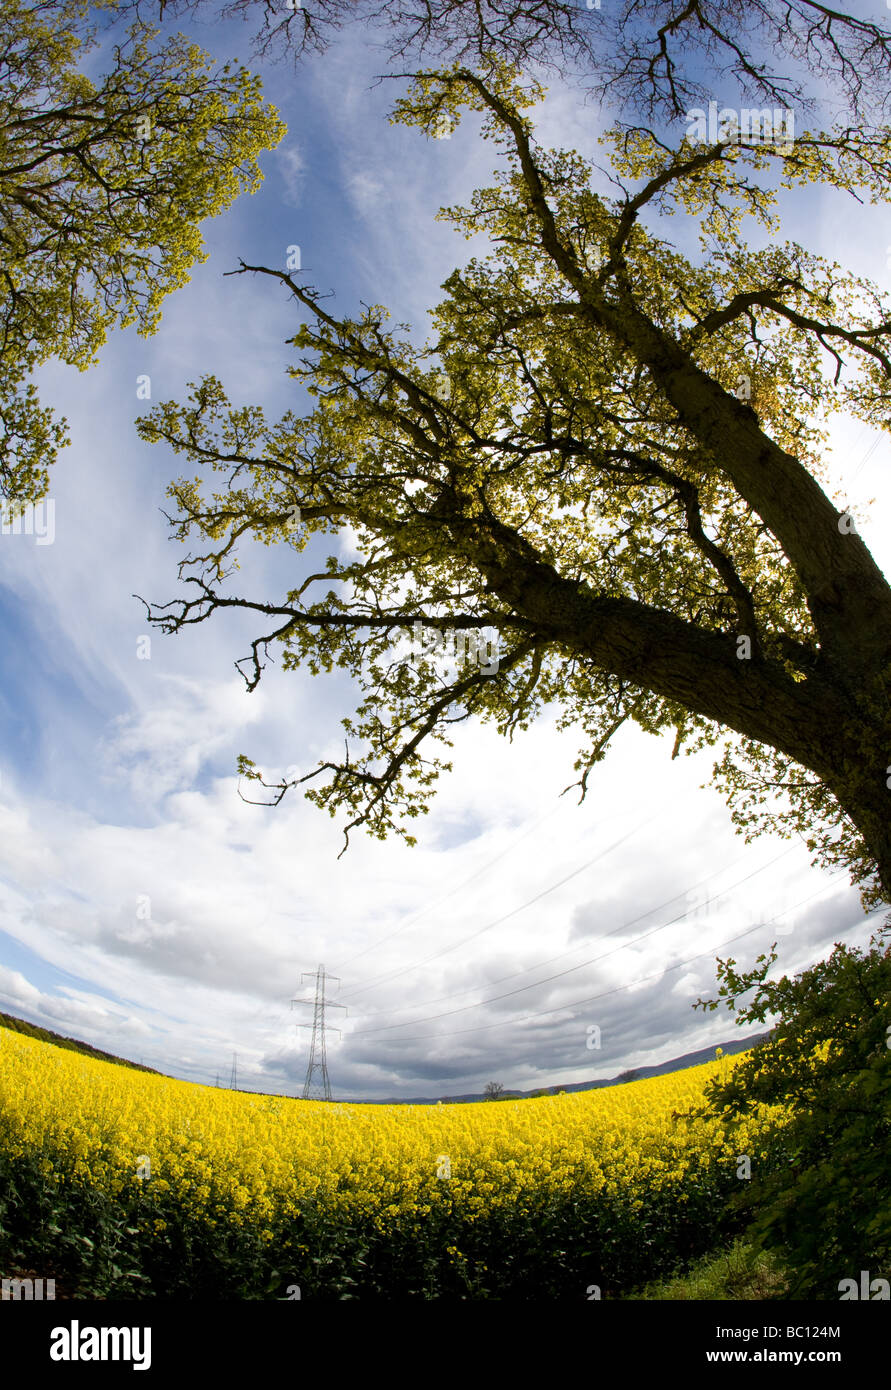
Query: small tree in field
{"points": [[494, 1090]]}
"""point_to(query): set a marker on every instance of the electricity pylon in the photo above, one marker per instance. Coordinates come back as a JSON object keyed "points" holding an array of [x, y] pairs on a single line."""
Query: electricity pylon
{"points": [[317, 1086]]}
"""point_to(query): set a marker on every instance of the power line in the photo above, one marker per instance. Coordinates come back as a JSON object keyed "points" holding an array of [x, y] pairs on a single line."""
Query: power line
{"points": [[594, 960], [445, 897], [866, 457], [394, 975], [623, 926], [659, 974]]}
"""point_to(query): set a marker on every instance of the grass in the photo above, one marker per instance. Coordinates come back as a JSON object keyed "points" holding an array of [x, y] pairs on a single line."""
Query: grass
{"points": [[739, 1273]]}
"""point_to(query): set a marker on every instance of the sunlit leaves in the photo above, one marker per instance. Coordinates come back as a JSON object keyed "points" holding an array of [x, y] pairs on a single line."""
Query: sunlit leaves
{"points": [[102, 187]]}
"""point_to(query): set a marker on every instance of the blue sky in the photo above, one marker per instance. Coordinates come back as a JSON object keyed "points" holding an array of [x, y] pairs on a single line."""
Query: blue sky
{"points": [[146, 908]]}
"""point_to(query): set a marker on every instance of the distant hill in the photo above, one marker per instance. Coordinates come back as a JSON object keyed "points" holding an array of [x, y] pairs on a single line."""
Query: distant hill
{"points": [[31, 1030], [689, 1059]]}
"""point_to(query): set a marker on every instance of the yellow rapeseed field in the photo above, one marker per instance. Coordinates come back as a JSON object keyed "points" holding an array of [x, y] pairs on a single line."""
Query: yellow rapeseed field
{"points": [[235, 1156]]}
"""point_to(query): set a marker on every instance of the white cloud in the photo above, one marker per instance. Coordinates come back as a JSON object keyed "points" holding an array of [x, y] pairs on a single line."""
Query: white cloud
{"points": [[163, 747], [292, 167]]}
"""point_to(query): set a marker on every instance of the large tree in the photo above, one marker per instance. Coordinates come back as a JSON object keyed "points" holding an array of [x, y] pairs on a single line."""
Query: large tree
{"points": [[610, 456], [103, 184]]}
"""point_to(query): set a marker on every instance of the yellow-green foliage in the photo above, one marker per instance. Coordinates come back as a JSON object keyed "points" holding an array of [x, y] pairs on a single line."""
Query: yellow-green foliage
{"points": [[103, 186]]}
